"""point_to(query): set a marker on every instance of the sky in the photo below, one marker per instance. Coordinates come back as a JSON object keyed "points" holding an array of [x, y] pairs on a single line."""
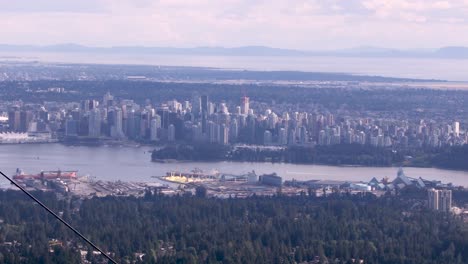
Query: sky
{"points": [[293, 24]]}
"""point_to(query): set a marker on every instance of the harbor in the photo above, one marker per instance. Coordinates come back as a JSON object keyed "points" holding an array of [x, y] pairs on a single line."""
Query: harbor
{"points": [[132, 164], [69, 183], [84, 186], [216, 184]]}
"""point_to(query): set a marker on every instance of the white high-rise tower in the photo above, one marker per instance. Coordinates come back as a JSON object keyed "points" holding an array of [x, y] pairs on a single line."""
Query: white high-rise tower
{"points": [[245, 105], [456, 128]]}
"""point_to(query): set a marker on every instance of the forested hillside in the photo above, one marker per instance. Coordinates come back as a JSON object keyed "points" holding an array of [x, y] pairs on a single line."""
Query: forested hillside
{"points": [[253, 230]]}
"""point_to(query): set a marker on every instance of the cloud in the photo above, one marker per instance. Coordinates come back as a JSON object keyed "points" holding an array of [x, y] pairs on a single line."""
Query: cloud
{"points": [[304, 24], [428, 8], [452, 20], [413, 17], [27, 6]]}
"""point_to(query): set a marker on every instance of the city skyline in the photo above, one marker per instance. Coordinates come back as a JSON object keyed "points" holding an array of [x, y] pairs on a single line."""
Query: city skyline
{"points": [[234, 131], [202, 120]]}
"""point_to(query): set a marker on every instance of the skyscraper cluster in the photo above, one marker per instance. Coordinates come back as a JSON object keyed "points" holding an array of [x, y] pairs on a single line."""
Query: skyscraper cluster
{"points": [[25, 119], [201, 120]]}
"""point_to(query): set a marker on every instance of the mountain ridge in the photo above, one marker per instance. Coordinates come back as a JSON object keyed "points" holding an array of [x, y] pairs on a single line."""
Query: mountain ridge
{"points": [[449, 52]]}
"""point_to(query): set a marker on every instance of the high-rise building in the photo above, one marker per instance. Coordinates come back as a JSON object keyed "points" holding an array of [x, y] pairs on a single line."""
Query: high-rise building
{"points": [[445, 200], [204, 112], [283, 136], [145, 124], [88, 105], [44, 115], [267, 138], [14, 120], [130, 121], [196, 106], [108, 99], [197, 134], [94, 123], [171, 133], [119, 123], [272, 120], [251, 128], [212, 131], [304, 135], [238, 110], [93, 104], [292, 136], [164, 114], [224, 135], [204, 104], [245, 105], [233, 130], [211, 108], [83, 125], [174, 106], [440, 200], [223, 108], [71, 128], [322, 138], [84, 105], [155, 126], [32, 126], [456, 129], [433, 199], [115, 122]]}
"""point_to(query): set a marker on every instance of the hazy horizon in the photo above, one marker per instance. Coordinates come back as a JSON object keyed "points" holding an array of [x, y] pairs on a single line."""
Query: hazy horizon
{"points": [[424, 68], [325, 49], [302, 25]]}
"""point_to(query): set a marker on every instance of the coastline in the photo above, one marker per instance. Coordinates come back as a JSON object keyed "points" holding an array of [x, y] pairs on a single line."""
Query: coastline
{"points": [[175, 161], [133, 144], [133, 164]]}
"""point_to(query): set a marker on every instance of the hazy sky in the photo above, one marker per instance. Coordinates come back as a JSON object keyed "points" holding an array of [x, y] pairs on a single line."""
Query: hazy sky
{"points": [[300, 24]]}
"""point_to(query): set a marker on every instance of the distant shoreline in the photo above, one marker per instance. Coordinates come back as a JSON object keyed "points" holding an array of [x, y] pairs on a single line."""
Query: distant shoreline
{"points": [[174, 161], [130, 144], [397, 69]]}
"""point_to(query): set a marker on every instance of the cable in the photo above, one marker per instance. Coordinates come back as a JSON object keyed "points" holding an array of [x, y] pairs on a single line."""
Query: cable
{"points": [[58, 217]]}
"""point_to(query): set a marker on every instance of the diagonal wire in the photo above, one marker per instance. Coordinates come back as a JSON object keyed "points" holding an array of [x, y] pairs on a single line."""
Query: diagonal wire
{"points": [[59, 218]]}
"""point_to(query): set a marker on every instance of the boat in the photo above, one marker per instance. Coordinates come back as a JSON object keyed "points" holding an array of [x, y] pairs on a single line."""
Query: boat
{"points": [[45, 175], [196, 175]]}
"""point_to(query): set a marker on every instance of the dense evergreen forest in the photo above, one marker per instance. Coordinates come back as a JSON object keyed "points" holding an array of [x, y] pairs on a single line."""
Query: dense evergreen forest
{"points": [[452, 158], [349, 154], [255, 230], [343, 154]]}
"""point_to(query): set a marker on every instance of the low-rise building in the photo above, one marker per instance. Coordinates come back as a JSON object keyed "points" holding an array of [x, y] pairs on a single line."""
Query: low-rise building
{"points": [[271, 179]]}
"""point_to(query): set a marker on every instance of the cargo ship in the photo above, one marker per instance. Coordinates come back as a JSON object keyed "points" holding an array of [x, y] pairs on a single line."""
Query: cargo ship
{"points": [[45, 175], [198, 176], [195, 175]]}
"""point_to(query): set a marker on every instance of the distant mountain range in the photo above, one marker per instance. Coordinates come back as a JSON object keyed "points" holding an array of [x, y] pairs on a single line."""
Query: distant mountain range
{"points": [[445, 52]]}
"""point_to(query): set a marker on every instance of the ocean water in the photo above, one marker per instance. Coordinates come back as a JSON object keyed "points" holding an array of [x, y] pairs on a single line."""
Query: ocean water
{"points": [[133, 164], [421, 68]]}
